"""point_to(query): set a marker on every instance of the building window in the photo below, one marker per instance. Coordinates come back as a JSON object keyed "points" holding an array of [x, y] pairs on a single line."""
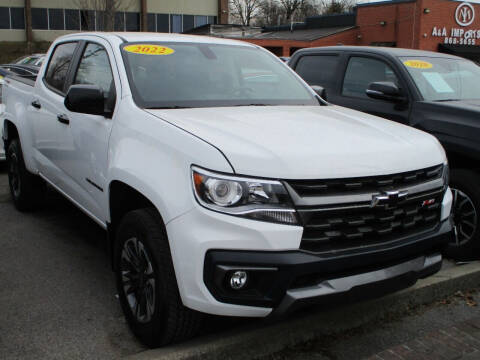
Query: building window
{"points": [[4, 18], [151, 22], [188, 22], [212, 19], [55, 19], [18, 18], [132, 21], [176, 23], [201, 20], [119, 21], [163, 23], [39, 19], [99, 21], [72, 19], [87, 20]]}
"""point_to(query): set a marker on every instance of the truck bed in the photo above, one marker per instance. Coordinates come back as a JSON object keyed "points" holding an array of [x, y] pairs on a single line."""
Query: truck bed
{"points": [[27, 80]]}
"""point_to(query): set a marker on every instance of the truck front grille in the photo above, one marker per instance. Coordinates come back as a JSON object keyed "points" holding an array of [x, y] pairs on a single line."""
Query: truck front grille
{"points": [[364, 184], [342, 226]]}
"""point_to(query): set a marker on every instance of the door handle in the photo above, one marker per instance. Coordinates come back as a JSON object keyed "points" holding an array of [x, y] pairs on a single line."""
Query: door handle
{"points": [[63, 119], [36, 104]]}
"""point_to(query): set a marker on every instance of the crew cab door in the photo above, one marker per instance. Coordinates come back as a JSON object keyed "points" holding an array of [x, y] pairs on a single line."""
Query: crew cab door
{"points": [[85, 160], [50, 137], [359, 72]]}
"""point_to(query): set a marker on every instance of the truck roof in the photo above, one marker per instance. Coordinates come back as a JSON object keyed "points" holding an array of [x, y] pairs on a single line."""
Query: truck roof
{"points": [[390, 51], [161, 37]]}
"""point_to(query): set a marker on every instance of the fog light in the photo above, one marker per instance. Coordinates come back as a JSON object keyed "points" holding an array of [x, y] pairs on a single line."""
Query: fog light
{"points": [[238, 280]]}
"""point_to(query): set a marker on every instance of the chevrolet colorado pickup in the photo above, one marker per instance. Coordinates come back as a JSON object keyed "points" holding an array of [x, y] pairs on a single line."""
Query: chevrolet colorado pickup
{"points": [[434, 92], [225, 184]]}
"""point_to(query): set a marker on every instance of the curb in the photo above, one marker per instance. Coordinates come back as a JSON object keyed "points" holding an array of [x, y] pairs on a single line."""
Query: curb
{"points": [[268, 337]]}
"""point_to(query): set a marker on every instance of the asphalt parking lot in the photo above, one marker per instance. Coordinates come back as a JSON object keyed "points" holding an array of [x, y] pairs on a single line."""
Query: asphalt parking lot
{"points": [[57, 293]]}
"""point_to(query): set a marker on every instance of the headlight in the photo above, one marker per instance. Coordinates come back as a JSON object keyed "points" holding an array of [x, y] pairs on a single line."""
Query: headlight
{"points": [[257, 199]]}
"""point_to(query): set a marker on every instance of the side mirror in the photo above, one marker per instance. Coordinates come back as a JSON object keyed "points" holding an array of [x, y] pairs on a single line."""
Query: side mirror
{"points": [[320, 90], [385, 90], [85, 99]]}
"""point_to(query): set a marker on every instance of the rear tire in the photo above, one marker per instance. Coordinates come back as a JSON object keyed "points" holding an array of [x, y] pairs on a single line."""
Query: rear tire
{"points": [[27, 190], [465, 185], [146, 282]]}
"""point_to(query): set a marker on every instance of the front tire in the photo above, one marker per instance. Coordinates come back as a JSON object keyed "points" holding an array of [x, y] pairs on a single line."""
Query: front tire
{"points": [[146, 282], [27, 190], [465, 211]]}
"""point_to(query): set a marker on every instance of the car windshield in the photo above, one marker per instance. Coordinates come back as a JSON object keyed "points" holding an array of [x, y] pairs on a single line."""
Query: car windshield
{"points": [[28, 60], [179, 75], [444, 79]]}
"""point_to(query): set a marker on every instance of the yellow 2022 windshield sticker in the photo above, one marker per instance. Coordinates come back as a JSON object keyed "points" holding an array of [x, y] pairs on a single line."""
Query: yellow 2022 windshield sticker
{"points": [[418, 64], [149, 49]]}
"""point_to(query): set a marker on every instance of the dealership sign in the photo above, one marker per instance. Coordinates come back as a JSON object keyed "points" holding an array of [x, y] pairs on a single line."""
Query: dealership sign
{"points": [[464, 16]]}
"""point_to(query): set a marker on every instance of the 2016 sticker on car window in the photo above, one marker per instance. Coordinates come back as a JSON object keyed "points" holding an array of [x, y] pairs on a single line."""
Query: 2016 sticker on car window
{"points": [[149, 49], [418, 64]]}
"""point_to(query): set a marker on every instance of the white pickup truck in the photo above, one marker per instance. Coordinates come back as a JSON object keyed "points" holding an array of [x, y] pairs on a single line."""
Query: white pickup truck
{"points": [[225, 183]]}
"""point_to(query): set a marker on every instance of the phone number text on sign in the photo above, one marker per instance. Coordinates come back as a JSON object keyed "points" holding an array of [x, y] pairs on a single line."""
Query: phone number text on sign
{"points": [[148, 49]]}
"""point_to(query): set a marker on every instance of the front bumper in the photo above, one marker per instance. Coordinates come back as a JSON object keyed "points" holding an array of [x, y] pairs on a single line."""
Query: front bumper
{"points": [[286, 280], [200, 239]]}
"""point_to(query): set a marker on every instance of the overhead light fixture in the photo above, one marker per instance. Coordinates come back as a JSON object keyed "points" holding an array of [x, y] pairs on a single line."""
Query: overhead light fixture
{"points": [[383, 23], [426, 11]]}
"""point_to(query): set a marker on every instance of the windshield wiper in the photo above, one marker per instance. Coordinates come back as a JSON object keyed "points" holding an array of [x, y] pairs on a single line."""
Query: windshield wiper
{"points": [[443, 100]]}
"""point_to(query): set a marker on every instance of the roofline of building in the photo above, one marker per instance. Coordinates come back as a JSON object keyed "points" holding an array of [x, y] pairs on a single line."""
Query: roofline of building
{"points": [[301, 40], [386, 2]]}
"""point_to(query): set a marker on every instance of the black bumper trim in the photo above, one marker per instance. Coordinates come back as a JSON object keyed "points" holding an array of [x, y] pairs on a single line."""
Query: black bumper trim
{"points": [[298, 269]]}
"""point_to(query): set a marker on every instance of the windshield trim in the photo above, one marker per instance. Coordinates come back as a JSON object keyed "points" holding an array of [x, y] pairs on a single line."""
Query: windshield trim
{"points": [[314, 100]]}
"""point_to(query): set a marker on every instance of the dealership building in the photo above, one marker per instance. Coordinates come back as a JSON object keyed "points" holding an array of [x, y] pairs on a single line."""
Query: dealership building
{"points": [[52, 18], [435, 25]]}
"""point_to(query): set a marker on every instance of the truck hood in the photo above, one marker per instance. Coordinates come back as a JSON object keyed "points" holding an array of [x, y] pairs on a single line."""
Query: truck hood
{"points": [[308, 142], [462, 105]]}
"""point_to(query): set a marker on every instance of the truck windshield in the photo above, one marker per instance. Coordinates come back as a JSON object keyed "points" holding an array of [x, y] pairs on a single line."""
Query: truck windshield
{"points": [[185, 75], [443, 79]]}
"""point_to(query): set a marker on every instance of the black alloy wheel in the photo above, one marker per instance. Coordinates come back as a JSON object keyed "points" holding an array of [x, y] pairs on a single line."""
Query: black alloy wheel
{"points": [[465, 244], [464, 217], [138, 279]]}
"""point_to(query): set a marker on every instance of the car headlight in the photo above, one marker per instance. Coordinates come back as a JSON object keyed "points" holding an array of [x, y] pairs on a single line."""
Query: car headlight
{"points": [[258, 199]]}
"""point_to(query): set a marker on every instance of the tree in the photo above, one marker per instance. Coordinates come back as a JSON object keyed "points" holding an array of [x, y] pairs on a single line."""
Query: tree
{"points": [[290, 6], [337, 6], [270, 13], [244, 10]]}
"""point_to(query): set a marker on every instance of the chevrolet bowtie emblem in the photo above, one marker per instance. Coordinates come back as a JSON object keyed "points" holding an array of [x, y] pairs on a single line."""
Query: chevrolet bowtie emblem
{"points": [[388, 198]]}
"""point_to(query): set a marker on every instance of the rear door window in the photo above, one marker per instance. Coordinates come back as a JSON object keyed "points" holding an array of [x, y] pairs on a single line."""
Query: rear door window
{"points": [[58, 66], [361, 71], [318, 69]]}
